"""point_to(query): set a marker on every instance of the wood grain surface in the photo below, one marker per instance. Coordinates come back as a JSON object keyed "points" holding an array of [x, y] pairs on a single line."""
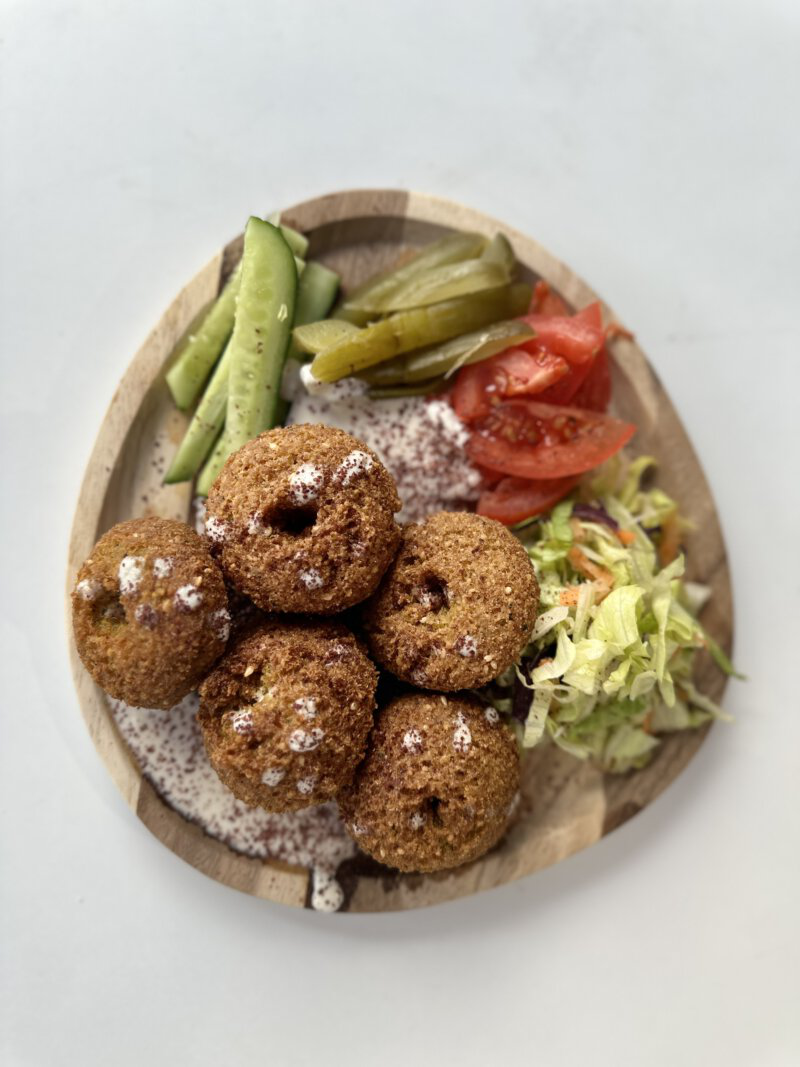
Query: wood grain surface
{"points": [[567, 805]]}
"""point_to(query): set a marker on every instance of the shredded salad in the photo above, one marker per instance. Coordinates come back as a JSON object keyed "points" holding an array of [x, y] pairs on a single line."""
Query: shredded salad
{"points": [[610, 663]]}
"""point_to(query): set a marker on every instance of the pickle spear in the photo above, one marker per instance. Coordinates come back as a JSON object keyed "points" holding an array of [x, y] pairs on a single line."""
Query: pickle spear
{"points": [[399, 392], [445, 358], [188, 373], [407, 330], [453, 248], [317, 336], [436, 284], [261, 332], [315, 293], [499, 250]]}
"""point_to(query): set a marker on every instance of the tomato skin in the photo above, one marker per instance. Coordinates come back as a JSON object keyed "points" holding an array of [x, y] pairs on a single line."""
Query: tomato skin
{"points": [[528, 439], [563, 391], [594, 393], [514, 499], [577, 338], [515, 372], [545, 302]]}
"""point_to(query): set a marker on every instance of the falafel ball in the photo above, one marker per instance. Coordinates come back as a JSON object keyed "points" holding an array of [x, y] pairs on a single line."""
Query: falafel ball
{"points": [[150, 612], [438, 785], [286, 714], [457, 605], [301, 519]]}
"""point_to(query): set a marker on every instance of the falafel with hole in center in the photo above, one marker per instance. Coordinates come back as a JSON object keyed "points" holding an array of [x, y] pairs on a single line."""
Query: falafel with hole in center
{"points": [[301, 520], [457, 605], [438, 785]]}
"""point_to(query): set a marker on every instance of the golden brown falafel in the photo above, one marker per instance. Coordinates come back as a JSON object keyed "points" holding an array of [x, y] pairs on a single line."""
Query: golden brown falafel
{"points": [[286, 714], [301, 519], [150, 612], [457, 605], [437, 786]]}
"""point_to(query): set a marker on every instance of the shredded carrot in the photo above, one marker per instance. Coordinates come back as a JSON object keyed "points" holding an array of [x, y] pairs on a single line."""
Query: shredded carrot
{"points": [[569, 597], [581, 562], [627, 537], [602, 579], [647, 720], [670, 542]]}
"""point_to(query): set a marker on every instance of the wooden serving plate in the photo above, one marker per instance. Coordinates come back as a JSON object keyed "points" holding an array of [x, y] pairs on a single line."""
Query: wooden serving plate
{"points": [[567, 805]]}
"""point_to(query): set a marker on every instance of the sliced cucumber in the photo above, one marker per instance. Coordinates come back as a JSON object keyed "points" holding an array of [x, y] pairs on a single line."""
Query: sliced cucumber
{"points": [[205, 425], [316, 292], [296, 241], [261, 332], [213, 465], [188, 373]]}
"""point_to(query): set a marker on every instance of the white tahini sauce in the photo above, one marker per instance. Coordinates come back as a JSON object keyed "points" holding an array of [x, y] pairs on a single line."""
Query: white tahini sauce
{"points": [[420, 441], [169, 749]]}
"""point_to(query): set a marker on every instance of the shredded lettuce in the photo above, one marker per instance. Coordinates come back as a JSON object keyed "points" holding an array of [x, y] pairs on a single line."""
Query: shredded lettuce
{"points": [[610, 663]]}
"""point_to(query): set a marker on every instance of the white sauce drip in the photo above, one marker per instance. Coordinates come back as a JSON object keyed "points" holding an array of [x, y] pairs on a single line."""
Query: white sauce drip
{"points": [[306, 708], [306, 483], [221, 623], [216, 529], [462, 735], [89, 589], [354, 464], [130, 573], [242, 721], [162, 566], [168, 746], [412, 741], [420, 441], [188, 597], [305, 740], [311, 578]]}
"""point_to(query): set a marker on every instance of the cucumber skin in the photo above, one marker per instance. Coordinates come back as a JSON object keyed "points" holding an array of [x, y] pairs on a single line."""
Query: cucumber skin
{"points": [[203, 430], [188, 374], [213, 465], [261, 332]]}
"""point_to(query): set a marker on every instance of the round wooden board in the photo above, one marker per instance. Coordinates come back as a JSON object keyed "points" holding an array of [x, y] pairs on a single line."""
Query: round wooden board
{"points": [[567, 805]]}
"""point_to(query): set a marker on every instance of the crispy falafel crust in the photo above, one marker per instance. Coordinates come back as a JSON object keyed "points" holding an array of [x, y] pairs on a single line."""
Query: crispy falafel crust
{"points": [[150, 612], [301, 519], [286, 714], [437, 786], [457, 605]]}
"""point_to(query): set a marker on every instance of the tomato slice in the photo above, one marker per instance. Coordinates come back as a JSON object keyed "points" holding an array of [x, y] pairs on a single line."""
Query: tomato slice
{"points": [[545, 302], [594, 393], [564, 391], [515, 499], [529, 439], [515, 372], [575, 338]]}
